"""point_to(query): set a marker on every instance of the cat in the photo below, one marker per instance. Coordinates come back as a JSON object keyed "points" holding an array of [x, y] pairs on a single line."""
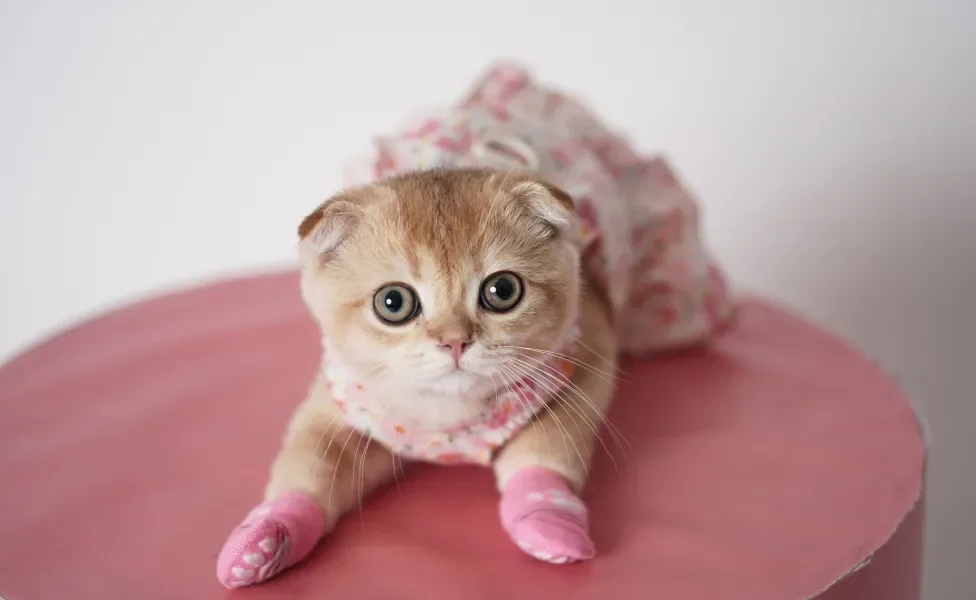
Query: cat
{"points": [[474, 287], [459, 324]]}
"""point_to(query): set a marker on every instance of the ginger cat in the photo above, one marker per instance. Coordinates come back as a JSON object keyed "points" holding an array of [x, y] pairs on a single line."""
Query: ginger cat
{"points": [[459, 324]]}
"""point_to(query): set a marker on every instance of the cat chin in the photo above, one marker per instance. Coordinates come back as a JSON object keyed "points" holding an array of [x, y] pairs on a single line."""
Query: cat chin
{"points": [[455, 382], [442, 402]]}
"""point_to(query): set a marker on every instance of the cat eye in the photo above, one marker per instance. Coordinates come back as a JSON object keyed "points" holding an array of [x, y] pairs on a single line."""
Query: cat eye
{"points": [[501, 292], [395, 304]]}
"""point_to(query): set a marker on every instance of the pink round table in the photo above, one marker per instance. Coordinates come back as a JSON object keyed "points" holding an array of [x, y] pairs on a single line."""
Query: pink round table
{"points": [[779, 464]]}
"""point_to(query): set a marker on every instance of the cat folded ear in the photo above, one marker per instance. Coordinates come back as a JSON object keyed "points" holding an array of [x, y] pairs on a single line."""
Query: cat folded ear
{"points": [[551, 206], [323, 231]]}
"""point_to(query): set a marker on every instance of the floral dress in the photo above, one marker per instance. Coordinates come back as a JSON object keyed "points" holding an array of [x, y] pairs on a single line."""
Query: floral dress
{"points": [[640, 234]]}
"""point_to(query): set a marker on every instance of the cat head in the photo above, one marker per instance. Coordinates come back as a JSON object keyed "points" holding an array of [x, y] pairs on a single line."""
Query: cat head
{"points": [[437, 283]]}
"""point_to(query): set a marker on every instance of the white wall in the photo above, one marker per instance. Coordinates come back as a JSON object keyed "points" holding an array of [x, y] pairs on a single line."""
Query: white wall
{"points": [[144, 145]]}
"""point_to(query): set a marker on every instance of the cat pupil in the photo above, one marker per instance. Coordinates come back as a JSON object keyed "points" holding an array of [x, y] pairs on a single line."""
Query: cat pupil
{"points": [[394, 301], [503, 288]]}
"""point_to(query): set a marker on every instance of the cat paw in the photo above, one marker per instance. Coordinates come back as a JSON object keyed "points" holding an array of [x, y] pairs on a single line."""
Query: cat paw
{"points": [[553, 536], [544, 518], [254, 552], [273, 537]]}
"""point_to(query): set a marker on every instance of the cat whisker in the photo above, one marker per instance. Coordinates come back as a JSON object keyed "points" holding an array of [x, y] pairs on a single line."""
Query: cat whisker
{"points": [[553, 372], [534, 420], [315, 453], [526, 373], [552, 389], [313, 472], [336, 470], [551, 385], [504, 369], [564, 433], [610, 363], [610, 378], [495, 387], [559, 380], [362, 474], [321, 459], [371, 371], [355, 465], [394, 456]]}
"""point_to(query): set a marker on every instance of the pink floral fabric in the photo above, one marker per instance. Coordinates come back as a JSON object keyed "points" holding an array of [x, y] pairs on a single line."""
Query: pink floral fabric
{"points": [[639, 225]]}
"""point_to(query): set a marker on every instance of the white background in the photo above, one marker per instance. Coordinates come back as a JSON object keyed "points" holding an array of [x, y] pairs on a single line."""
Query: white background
{"points": [[146, 145]]}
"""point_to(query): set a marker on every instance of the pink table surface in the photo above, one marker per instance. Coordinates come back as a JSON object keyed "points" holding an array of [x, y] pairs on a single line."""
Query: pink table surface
{"points": [[767, 467]]}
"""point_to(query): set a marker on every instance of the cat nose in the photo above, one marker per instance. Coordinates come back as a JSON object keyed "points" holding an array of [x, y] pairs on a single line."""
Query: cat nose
{"points": [[456, 346]]}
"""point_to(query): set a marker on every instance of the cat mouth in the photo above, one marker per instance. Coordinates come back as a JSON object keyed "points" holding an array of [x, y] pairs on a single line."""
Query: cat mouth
{"points": [[459, 371]]}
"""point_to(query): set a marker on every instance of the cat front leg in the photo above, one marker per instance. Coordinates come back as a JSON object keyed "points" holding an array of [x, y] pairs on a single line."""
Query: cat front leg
{"points": [[542, 471], [321, 472]]}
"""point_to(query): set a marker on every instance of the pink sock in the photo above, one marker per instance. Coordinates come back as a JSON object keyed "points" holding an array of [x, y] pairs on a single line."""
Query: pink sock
{"points": [[273, 537], [543, 516]]}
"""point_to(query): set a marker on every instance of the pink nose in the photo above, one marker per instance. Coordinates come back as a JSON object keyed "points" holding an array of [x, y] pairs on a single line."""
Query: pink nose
{"points": [[456, 346]]}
